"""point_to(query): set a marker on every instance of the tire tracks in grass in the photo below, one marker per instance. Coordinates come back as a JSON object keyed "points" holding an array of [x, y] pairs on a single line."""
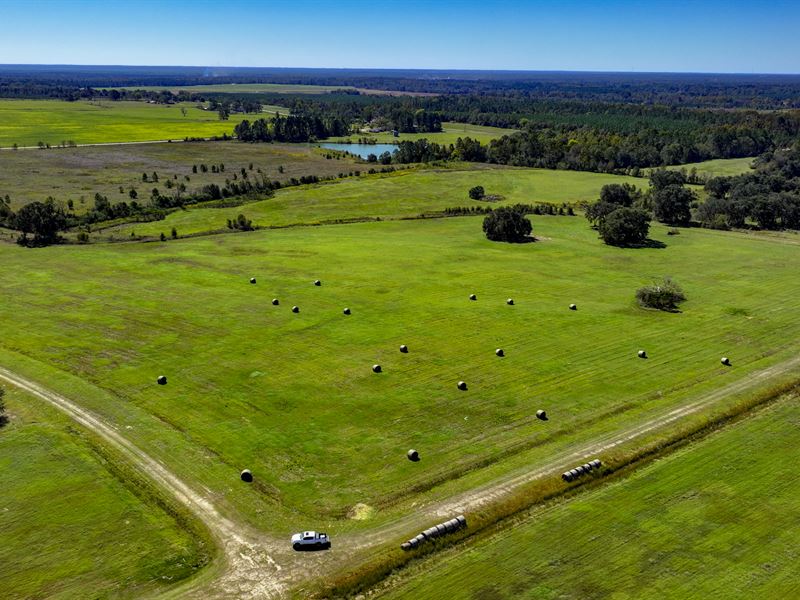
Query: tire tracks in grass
{"points": [[249, 569]]}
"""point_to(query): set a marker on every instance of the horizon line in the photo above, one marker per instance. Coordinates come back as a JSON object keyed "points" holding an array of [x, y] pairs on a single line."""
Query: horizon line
{"points": [[426, 70]]}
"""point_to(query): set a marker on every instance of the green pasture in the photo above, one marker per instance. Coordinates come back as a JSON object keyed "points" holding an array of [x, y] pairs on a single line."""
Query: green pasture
{"points": [[720, 167], [241, 88], [405, 193], [450, 133], [28, 122], [716, 520], [293, 396], [77, 174], [69, 526]]}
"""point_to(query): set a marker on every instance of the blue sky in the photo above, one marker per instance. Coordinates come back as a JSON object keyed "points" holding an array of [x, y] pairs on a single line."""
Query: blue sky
{"points": [[744, 36]]}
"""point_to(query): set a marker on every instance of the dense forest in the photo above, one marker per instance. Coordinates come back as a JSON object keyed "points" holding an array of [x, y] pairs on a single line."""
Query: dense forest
{"points": [[673, 89]]}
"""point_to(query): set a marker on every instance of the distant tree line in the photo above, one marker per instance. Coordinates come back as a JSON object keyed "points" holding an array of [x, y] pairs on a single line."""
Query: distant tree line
{"points": [[690, 90]]}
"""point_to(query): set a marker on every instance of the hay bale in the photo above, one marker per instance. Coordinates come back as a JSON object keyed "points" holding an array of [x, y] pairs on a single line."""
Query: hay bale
{"points": [[275, 302], [541, 415], [295, 309], [317, 282], [246, 476], [580, 470], [587, 467], [574, 473], [376, 368], [406, 546], [642, 354], [596, 463], [725, 361], [462, 385], [346, 311], [499, 352], [510, 301], [462, 520], [473, 297], [162, 380], [567, 476], [573, 307], [403, 348], [413, 455], [252, 280]]}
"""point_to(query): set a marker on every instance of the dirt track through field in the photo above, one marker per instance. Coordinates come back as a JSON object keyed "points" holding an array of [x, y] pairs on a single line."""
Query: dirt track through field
{"points": [[250, 570]]}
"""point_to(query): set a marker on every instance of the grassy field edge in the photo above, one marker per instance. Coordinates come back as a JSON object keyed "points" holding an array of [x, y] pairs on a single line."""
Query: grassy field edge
{"points": [[485, 523]]}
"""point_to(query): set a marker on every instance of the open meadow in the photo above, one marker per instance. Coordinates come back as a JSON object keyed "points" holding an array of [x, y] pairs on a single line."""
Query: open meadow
{"points": [[77, 174], [28, 122], [69, 507], [293, 396], [449, 134], [714, 520], [720, 167], [402, 194]]}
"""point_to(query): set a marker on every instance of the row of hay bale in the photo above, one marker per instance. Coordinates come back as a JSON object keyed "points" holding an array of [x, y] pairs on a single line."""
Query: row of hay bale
{"points": [[724, 360], [577, 472], [436, 531]]}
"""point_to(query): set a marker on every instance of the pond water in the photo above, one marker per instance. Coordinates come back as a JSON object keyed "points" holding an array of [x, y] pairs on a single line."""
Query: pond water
{"points": [[362, 150]]}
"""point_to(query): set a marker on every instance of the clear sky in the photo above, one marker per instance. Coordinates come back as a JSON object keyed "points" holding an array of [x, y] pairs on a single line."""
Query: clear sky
{"points": [[744, 36]]}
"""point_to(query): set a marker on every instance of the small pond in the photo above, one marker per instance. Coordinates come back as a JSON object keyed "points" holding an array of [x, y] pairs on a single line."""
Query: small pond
{"points": [[362, 150]]}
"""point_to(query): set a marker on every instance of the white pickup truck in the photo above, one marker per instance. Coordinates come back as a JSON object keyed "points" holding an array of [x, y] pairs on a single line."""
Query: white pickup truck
{"points": [[310, 540]]}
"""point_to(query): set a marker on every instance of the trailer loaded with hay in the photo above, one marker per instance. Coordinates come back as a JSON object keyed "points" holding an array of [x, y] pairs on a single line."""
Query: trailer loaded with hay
{"points": [[582, 470], [437, 531]]}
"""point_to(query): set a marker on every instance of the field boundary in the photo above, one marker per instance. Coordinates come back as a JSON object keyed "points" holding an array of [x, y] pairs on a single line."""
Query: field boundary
{"points": [[245, 553]]}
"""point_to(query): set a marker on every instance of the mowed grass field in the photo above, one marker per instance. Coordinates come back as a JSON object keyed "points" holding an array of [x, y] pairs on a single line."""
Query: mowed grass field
{"points": [[716, 520], [241, 88], [405, 193], [721, 167], [28, 122], [268, 88], [79, 173], [68, 526], [450, 133], [293, 397]]}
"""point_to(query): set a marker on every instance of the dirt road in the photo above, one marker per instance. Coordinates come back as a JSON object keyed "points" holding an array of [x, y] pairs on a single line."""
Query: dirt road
{"points": [[251, 570]]}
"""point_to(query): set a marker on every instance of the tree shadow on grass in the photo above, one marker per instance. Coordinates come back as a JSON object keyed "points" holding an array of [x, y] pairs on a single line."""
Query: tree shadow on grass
{"points": [[648, 243]]}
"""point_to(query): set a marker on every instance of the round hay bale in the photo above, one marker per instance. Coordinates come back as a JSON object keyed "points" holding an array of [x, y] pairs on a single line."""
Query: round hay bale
{"points": [[317, 282], [580, 470], [406, 546], [246, 476], [462, 520], [725, 361], [566, 476], [413, 455], [573, 307], [499, 352], [275, 302], [376, 368], [403, 348], [462, 385], [510, 301], [574, 473], [642, 354], [162, 380], [541, 415], [587, 467], [295, 309], [346, 311], [596, 463], [252, 280], [473, 297]]}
